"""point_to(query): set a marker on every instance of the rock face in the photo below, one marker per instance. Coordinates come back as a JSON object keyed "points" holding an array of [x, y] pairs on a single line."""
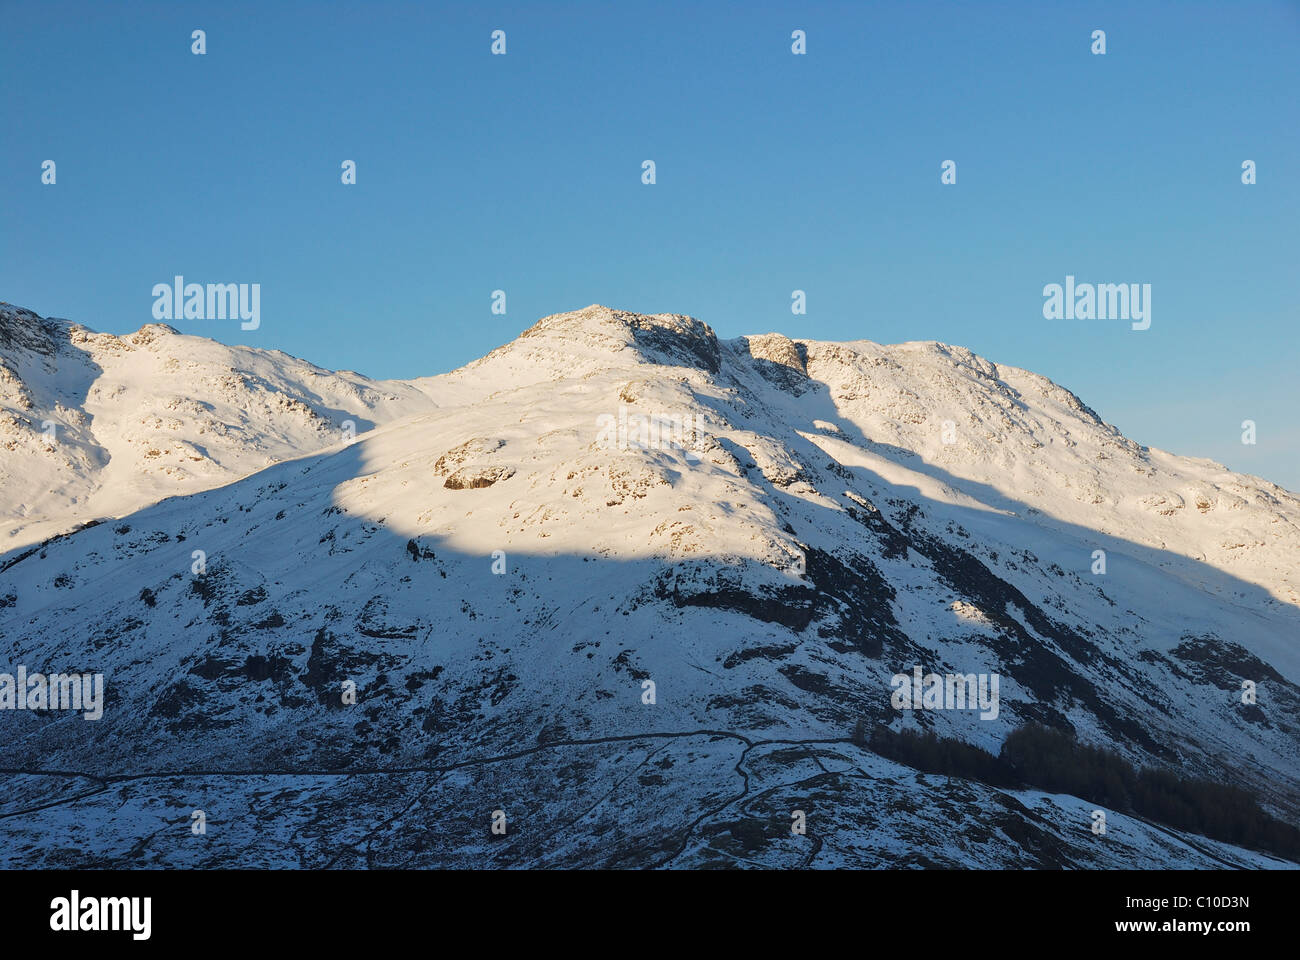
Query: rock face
{"points": [[533, 590], [780, 360]]}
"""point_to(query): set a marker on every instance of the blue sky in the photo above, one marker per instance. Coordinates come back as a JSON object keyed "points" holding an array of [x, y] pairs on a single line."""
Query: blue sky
{"points": [[775, 172]]}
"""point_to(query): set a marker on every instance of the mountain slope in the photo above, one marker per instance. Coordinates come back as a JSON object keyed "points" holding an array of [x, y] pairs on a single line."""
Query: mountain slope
{"points": [[500, 576], [95, 425]]}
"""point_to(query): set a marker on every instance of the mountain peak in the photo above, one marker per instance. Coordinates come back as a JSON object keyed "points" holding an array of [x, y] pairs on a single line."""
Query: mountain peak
{"points": [[772, 529], [672, 339], [23, 328], [151, 332]]}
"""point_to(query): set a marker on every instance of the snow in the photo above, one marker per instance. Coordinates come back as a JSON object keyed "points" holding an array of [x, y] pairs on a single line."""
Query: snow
{"points": [[157, 414], [816, 537]]}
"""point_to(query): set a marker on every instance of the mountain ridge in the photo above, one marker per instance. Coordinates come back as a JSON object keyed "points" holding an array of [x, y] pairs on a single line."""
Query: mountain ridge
{"points": [[100, 425], [801, 535]]}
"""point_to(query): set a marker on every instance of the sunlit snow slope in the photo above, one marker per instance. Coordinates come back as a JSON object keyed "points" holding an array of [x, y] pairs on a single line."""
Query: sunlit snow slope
{"points": [[93, 425], [826, 516]]}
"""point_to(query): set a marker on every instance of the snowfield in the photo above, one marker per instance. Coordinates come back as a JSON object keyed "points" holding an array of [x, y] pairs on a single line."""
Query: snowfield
{"points": [[504, 571], [94, 426]]}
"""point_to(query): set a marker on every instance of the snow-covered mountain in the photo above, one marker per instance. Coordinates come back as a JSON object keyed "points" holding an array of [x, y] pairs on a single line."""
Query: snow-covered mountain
{"points": [[94, 426], [629, 585]]}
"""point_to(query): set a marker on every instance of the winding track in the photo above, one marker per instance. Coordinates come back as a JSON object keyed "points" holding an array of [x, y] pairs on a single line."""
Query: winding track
{"points": [[106, 782]]}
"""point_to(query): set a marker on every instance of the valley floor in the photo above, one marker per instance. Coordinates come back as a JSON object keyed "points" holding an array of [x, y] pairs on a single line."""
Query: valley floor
{"points": [[670, 800]]}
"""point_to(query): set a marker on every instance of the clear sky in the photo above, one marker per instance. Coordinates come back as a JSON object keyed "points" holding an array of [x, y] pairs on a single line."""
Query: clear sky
{"points": [[774, 172]]}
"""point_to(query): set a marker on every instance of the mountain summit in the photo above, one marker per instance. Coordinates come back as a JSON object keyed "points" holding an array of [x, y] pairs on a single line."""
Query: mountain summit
{"points": [[94, 425], [643, 591]]}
